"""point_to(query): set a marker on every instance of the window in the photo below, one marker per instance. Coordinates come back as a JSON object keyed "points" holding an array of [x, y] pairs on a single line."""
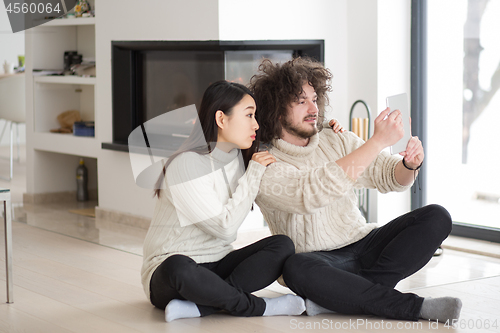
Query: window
{"points": [[462, 118]]}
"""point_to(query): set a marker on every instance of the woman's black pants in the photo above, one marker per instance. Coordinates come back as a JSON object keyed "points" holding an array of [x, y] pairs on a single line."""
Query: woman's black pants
{"points": [[226, 284]]}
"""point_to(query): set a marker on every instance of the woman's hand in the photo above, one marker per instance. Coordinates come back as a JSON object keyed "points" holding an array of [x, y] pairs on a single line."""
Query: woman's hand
{"points": [[335, 125], [264, 158], [414, 154]]}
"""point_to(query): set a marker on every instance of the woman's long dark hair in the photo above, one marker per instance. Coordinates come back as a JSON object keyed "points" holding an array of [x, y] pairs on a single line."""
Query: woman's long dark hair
{"points": [[221, 95]]}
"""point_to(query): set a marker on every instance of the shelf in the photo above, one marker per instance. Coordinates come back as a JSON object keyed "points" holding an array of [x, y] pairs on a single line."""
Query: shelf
{"points": [[70, 22], [69, 79], [66, 144]]}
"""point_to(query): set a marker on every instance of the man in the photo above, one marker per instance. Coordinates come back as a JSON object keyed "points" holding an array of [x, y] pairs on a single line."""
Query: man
{"points": [[342, 263]]}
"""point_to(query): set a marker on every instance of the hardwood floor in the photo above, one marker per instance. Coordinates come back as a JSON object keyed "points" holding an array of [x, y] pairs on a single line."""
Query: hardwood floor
{"points": [[63, 284]]}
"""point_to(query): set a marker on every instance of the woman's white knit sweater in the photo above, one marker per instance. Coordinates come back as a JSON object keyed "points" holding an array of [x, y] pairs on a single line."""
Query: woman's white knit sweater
{"points": [[206, 199], [308, 197]]}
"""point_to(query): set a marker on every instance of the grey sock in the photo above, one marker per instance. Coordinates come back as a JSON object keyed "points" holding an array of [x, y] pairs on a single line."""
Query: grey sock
{"points": [[287, 305], [177, 309], [441, 309], [314, 309]]}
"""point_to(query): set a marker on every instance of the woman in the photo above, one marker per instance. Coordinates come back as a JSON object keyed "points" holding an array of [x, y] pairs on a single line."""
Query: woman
{"points": [[190, 269]]}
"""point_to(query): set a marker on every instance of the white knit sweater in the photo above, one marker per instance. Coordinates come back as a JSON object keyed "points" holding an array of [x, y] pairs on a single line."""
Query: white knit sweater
{"points": [[206, 199], [308, 197]]}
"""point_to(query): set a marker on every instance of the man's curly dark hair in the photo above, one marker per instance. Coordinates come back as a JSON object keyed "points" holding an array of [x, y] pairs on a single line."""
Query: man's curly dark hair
{"points": [[276, 86]]}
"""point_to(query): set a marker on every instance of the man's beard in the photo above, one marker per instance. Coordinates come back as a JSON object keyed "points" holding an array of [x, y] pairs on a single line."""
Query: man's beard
{"points": [[297, 131]]}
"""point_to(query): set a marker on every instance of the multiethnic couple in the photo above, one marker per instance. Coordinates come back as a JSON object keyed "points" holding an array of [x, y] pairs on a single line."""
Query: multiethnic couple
{"points": [[322, 249]]}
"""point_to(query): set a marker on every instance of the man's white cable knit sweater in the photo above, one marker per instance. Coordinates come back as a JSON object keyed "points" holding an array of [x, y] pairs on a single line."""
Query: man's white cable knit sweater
{"points": [[206, 199], [308, 197]]}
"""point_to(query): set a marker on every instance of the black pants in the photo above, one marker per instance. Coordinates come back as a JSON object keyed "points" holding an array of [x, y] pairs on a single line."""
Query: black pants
{"points": [[225, 284], [360, 278]]}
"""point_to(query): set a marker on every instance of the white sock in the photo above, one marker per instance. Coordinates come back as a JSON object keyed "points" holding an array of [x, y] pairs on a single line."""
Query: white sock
{"points": [[313, 309], [442, 309], [178, 309], [287, 305]]}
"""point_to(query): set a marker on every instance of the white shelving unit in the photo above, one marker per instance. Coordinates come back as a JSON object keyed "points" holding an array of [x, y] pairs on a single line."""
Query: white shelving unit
{"points": [[65, 144], [53, 155], [70, 22], [65, 80]]}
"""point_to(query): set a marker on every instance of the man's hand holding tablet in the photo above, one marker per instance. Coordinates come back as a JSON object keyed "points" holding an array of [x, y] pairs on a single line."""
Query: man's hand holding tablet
{"points": [[408, 146], [388, 131], [400, 102]]}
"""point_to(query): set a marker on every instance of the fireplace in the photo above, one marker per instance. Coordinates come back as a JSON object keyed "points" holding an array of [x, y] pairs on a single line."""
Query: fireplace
{"points": [[150, 78]]}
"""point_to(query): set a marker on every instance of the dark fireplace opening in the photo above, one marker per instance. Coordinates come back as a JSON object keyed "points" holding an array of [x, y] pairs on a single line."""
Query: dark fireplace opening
{"points": [[150, 78]]}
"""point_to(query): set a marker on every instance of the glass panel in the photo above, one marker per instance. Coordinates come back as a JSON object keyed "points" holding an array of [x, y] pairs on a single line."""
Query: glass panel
{"points": [[175, 79], [463, 148], [242, 65]]}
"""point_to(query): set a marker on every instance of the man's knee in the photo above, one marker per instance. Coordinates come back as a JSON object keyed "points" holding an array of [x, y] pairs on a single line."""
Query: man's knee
{"points": [[441, 218]]}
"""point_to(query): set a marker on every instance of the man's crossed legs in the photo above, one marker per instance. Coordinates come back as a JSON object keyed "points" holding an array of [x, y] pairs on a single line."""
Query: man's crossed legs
{"points": [[360, 278]]}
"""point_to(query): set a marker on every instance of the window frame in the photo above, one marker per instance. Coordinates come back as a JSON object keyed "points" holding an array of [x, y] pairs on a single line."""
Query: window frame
{"points": [[419, 119]]}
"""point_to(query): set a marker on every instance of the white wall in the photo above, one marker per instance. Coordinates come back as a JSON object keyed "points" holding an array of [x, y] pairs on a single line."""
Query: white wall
{"points": [[362, 65], [362, 60], [394, 69], [379, 66]]}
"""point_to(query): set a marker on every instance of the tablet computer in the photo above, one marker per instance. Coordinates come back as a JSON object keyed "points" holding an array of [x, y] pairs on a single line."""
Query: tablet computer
{"points": [[400, 102]]}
